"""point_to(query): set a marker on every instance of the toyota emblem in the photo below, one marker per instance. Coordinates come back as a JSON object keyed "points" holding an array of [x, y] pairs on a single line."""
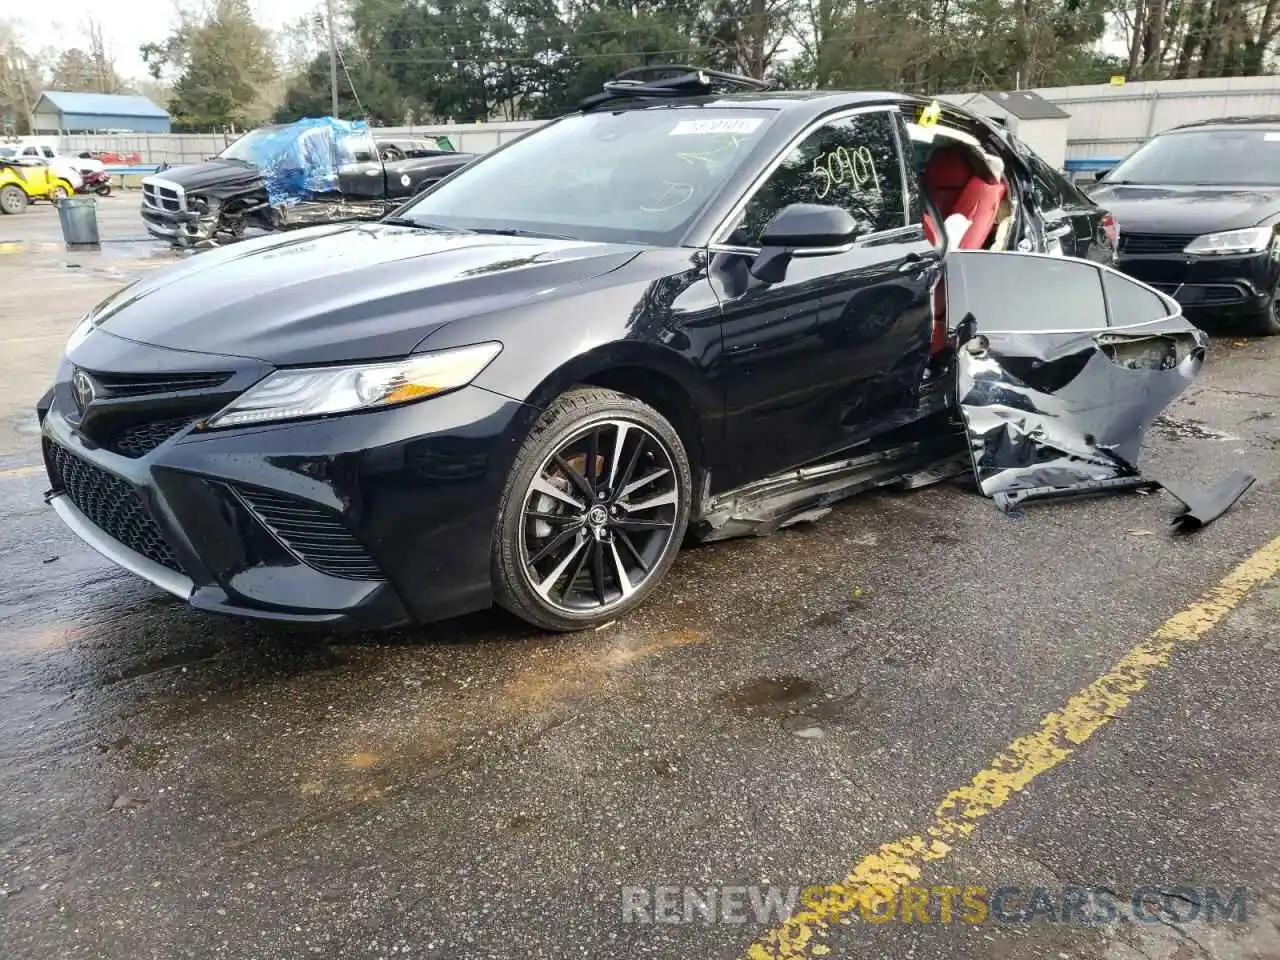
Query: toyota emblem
{"points": [[82, 390]]}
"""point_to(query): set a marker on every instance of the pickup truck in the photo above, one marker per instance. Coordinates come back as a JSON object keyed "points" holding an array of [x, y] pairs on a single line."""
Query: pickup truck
{"points": [[288, 175], [51, 154]]}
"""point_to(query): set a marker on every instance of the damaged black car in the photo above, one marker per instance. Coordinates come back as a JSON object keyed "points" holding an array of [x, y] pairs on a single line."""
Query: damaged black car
{"points": [[692, 308]]}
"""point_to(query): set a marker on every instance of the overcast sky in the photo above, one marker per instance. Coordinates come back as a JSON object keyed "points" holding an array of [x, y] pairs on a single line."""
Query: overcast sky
{"points": [[126, 26]]}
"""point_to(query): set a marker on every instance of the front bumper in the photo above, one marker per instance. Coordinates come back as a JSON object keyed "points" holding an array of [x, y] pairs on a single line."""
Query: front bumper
{"points": [[176, 225], [1209, 287], [370, 520]]}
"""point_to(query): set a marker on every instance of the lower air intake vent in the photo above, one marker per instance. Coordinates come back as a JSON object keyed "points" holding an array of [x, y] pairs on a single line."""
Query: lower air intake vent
{"points": [[317, 537], [110, 504], [142, 438]]}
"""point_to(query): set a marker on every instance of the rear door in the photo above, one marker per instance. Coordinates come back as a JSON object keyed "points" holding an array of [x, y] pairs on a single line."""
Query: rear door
{"points": [[834, 353], [1061, 367]]}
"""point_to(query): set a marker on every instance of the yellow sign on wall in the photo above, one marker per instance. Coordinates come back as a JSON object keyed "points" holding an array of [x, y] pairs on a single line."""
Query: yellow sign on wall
{"points": [[1117, 81]]}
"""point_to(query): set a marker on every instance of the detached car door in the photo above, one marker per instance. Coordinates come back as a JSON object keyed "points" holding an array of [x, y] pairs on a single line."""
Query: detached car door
{"points": [[834, 353], [1061, 366]]}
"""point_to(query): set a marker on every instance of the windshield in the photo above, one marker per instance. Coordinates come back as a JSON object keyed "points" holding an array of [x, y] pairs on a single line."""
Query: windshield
{"points": [[634, 175], [249, 146], [1228, 157]]}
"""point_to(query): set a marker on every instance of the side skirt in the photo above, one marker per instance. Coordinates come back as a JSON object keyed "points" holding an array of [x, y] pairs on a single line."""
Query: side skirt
{"points": [[765, 506]]}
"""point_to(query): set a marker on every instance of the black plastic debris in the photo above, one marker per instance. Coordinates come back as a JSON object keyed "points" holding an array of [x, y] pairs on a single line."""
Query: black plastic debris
{"points": [[1202, 507]]}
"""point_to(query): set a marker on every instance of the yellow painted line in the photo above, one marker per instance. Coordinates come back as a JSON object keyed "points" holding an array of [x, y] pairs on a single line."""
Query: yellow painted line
{"points": [[13, 472], [883, 874]]}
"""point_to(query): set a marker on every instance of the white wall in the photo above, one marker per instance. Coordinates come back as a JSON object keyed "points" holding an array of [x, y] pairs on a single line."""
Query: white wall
{"points": [[1048, 138], [1111, 122]]}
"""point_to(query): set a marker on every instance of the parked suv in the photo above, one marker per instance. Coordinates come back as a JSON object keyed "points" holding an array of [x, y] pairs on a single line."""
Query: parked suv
{"points": [[1198, 207]]}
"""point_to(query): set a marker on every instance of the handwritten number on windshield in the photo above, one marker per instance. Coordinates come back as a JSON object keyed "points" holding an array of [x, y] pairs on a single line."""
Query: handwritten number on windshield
{"points": [[842, 165]]}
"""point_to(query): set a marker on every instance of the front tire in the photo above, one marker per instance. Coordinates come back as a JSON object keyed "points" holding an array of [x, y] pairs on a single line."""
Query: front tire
{"points": [[12, 200], [593, 513], [1266, 323]]}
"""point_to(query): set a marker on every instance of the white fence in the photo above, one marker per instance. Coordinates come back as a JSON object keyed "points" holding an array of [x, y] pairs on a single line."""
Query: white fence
{"points": [[154, 149], [1111, 122], [1106, 121]]}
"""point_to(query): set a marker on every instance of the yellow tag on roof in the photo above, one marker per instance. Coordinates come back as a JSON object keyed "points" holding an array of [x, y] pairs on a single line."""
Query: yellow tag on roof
{"points": [[1118, 80], [930, 115]]}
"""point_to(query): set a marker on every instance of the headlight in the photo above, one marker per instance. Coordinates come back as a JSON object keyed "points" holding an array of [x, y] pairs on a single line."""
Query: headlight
{"points": [[316, 391], [1252, 240]]}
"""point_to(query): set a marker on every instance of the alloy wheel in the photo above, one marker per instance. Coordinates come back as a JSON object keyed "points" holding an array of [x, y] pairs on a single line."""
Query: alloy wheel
{"points": [[599, 516]]}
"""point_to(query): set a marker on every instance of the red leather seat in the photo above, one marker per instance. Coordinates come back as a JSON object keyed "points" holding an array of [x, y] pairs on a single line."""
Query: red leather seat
{"points": [[955, 187]]}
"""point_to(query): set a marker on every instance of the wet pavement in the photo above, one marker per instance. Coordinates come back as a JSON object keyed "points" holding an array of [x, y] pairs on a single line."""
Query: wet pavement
{"points": [[177, 785]]}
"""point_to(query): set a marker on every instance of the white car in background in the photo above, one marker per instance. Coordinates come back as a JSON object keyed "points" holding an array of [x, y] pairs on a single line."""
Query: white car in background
{"points": [[50, 154]]}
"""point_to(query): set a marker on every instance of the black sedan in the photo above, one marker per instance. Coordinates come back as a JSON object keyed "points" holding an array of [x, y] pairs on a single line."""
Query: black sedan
{"points": [[1198, 207], [677, 311]]}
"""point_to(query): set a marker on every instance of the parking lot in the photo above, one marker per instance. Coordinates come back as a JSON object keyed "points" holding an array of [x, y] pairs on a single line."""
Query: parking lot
{"points": [[915, 691]]}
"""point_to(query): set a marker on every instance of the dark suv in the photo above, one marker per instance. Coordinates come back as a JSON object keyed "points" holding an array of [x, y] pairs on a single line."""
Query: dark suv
{"points": [[1198, 207]]}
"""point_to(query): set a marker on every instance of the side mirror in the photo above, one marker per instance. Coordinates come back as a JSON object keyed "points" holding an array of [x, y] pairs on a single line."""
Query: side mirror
{"points": [[800, 230]]}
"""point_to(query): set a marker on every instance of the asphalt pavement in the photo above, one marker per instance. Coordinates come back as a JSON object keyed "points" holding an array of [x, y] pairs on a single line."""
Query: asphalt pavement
{"points": [[912, 694]]}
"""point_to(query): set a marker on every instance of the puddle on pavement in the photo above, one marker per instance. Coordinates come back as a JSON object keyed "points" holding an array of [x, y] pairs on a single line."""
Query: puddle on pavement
{"points": [[771, 694]]}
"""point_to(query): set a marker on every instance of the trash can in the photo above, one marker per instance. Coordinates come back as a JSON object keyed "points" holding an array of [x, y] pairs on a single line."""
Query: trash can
{"points": [[79, 219]]}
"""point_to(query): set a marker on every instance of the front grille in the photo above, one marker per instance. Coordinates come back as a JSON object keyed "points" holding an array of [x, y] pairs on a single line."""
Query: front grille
{"points": [[109, 503], [1140, 243], [1210, 294], [316, 536], [141, 438], [141, 384], [162, 198]]}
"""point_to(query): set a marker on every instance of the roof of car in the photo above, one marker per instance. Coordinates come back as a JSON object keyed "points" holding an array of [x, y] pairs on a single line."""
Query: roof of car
{"points": [[800, 100], [1261, 120]]}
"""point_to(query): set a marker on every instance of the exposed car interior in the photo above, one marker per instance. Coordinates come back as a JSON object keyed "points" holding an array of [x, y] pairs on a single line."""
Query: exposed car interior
{"points": [[967, 186]]}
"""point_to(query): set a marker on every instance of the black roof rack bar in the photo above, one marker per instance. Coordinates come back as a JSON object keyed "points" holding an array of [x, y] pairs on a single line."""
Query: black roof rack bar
{"points": [[687, 82], [725, 78]]}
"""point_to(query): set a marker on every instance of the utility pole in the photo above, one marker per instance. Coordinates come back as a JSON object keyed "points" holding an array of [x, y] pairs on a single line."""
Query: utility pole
{"points": [[333, 59]]}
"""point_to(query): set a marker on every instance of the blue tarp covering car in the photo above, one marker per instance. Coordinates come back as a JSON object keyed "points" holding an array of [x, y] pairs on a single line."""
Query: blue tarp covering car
{"points": [[301, 160]]}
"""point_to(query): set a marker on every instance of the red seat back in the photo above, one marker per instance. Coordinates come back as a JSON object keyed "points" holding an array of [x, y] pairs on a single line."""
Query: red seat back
{"points": [[980, 203], [946, 174], [954, 187]]}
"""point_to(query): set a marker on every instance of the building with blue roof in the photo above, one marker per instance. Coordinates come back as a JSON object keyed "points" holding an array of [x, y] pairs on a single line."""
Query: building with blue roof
{"points": [[59, 112]]}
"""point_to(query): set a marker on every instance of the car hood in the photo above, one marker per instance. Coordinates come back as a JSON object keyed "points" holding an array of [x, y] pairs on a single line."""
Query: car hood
{"points": [[352, 291], [1186, 209], [213, 173]]}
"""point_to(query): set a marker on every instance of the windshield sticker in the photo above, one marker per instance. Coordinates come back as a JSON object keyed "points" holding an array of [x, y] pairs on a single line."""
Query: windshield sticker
{"points": [[1270, 137], [842, 165], [697, 128]]}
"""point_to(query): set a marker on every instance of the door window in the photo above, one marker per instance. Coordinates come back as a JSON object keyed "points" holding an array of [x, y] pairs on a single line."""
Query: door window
{"points": [[852, 163], [1129, 302], [1014, 291], [357, 149]]}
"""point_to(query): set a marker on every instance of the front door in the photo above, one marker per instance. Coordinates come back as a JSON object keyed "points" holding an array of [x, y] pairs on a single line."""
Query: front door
{"points": [[360, 174], [834, 353], [1062, 365]]}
